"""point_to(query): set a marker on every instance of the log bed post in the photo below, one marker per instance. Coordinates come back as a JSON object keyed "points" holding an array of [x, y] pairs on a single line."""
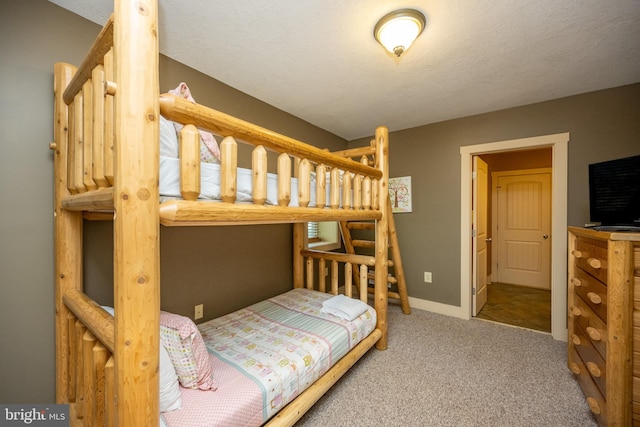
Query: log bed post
{"points": [[299, 237], [382, 235], [136, 222], [68, 231]]}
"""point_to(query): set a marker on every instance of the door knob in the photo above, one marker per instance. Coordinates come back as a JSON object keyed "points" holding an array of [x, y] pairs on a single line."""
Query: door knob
{"points": [[545, 236], [488, 240]]}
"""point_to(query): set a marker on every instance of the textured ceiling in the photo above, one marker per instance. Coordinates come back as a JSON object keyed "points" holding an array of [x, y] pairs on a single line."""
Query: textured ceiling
{"points": [[318, 60]]}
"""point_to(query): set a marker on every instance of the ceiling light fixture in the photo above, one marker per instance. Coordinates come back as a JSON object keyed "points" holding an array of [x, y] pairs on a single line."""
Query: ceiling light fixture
{"points": [[396, 31]]}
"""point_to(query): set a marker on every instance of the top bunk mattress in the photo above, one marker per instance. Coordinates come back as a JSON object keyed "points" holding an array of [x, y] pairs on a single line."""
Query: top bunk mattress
{"points": [[210, 184], [265, 355]]}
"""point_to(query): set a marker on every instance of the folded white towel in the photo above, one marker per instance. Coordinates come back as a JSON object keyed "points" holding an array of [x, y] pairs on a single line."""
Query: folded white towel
{"points": [[343, 307]]}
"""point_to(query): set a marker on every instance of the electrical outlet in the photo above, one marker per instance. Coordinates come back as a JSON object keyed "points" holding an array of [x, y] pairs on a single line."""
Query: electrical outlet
{"points": [[199, 312], [428, 278]]}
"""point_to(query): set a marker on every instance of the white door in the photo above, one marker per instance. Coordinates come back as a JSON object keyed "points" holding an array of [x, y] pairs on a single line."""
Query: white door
{"points": [[524, 228], [479, 245]]}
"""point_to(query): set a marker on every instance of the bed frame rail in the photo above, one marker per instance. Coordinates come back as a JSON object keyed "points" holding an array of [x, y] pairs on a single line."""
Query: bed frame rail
{"points": [[291, 413], [90, 378], [187, 112], [338, 262], [353, 186], [89, 152]]}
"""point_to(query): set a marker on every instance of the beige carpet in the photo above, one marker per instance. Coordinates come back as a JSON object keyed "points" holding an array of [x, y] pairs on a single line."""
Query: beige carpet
{"points": [[443, 371]]}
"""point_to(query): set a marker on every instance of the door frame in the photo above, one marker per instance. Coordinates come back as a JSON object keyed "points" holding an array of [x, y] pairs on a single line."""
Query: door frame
{"points": [[559, 147]]}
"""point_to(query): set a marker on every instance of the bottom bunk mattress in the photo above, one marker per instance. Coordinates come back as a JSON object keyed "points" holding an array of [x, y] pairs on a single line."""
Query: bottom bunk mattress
{"points": [[262, 357]]}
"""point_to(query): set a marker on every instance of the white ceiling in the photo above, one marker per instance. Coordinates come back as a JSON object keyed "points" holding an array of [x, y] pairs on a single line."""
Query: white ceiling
{"points": [[318, 60]]}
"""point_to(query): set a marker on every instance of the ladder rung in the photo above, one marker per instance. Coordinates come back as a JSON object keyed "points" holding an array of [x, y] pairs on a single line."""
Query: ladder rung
{"points": [[390, 279], [396, 275], [394, 295], [363, 244], [366, 244], [390, 294], [361, 225]]}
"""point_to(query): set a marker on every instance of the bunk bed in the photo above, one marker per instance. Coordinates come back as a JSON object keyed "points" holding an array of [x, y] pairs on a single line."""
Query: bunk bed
{"points": [[107, 166]]}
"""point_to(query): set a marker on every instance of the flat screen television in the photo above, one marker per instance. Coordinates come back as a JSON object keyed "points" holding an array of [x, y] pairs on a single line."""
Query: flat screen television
{"points": [[614, 193]]}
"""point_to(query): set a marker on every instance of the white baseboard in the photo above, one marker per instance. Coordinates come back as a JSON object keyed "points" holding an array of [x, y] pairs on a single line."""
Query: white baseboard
{"points": [[439, 308]]}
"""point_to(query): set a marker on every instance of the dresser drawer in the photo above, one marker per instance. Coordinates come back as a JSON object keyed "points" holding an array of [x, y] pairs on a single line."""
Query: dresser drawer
{"points": [[592, 255], [591, 291], [595, 400], [593, 362], [594, 327]]}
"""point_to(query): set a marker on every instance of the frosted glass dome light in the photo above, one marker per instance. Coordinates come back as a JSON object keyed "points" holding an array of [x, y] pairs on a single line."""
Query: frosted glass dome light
{"points": [[397, 30]]}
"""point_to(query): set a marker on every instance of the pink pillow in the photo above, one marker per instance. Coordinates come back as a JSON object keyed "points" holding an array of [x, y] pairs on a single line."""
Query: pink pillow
{"points": [[187, 351], [209, 150]]}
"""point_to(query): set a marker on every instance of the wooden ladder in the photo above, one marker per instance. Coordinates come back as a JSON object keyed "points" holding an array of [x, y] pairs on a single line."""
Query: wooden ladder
{"points": [[396, 279]]}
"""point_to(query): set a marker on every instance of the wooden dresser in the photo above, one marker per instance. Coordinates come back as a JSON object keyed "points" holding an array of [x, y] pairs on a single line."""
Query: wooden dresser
{"points": [[604, 322]]}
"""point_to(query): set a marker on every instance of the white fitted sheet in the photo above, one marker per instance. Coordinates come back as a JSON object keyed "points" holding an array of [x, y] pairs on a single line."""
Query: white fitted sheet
{"points": [[210, 183]]}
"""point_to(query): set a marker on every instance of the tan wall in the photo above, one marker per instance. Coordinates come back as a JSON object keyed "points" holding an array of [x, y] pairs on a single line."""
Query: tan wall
{"points": [[603, 125]]}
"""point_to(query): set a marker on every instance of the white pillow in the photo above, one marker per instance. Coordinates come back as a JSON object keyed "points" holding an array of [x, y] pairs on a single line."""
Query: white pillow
{"points": [[170, 399], [108, 309], [168, 139]]}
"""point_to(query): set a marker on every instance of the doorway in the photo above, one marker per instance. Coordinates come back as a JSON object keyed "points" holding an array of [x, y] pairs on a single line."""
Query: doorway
{"points": [[519, 217], [558, 145]]}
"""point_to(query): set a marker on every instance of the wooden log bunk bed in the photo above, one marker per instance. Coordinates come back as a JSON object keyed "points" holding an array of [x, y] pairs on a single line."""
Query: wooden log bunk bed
{"points": [[106, 161]]}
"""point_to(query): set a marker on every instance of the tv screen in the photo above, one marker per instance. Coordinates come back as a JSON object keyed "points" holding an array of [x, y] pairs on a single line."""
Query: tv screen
{"points": [[614, 192]]}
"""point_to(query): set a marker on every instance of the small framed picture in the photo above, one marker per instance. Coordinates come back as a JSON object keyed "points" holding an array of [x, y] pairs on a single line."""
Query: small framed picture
{"points": [[400, 194]]}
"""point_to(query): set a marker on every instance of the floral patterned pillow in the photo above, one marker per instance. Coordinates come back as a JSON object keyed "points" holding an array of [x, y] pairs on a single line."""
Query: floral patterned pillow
{"points": [[209, 150], [187, 351]]}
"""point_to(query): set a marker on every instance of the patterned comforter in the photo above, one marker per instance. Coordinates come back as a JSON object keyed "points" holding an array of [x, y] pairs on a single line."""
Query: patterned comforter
{"points": [[265, 355]]}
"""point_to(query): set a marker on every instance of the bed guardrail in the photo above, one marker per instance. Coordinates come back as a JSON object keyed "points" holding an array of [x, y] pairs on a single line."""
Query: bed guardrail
{"points": [[89, 98], [338, 262], [90, 362]]}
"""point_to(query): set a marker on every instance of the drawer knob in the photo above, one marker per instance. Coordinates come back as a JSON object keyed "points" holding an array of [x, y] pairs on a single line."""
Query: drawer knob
{"points": [[594, 298], [576, 282], [575, 339], [575, 311], [593, 369], [594, 263], [576, 253], [575, 368], [593, 405], [593, 333]]}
